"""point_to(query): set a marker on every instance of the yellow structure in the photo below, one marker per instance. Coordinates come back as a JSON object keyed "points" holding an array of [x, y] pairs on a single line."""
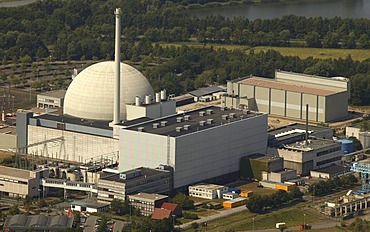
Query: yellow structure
{"points": [[246, 193], [235, 202], [285, 187]]}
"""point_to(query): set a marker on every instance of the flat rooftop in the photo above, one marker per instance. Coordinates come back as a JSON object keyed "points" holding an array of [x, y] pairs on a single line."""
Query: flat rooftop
{"points": [[192, 121], [273, 84], [313, 144], [333, 169], [15, 172], [56, 93], [147, 196], [144, 174], [268, 158], [78, 121], [279, 132], [11, 130], [208, 186]]}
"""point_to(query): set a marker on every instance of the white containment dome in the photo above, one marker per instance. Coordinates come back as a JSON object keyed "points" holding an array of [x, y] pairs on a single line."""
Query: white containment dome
{"points": [[91, 93]]}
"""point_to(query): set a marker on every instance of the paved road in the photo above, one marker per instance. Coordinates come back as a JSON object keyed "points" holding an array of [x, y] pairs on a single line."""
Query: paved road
{"points": [[222, 214], [17, 3], [90, 223]]}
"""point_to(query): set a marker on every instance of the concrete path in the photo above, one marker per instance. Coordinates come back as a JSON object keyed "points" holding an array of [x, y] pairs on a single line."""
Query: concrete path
{"points": [[90, 223], [221, 214]]}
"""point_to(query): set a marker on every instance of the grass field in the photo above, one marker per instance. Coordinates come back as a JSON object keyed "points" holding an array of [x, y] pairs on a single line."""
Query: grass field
{"points": [[292, 216], [321, 53], [301, 52]]}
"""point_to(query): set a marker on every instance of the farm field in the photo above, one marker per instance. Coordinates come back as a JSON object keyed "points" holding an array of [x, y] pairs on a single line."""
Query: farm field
{"points": [[301, 52]]}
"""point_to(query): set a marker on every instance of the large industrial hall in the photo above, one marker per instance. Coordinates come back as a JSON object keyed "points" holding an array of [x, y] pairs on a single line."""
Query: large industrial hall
{"points": [[289, 93]]}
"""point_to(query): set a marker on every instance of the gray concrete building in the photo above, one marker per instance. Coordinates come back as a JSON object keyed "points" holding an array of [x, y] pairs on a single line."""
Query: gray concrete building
{"points": [[146, 203], [16, 182], [305, 157], [296, 132], [200, 145], [52, 99], [288, 94], [119, 185]]}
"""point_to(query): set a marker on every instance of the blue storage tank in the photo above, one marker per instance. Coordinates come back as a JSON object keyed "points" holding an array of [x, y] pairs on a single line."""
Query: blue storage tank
{"points": [[347, 146]]}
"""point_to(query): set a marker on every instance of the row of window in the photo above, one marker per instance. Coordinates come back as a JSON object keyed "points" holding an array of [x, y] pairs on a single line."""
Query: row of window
{"points": [[13, 181], [328, 161], [331, 150]]}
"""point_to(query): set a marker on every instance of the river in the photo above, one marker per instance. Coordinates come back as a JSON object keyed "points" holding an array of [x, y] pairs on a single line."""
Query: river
{"points": [[16, 3], [308, 8]]}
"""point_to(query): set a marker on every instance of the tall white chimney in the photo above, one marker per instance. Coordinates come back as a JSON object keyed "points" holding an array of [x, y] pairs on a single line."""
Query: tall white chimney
{"points": [[117, 70]]}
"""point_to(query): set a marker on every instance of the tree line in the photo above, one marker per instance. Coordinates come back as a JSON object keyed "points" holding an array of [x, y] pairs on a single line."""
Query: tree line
{"points": [[326, 187], [85, 29], [260, 203]]}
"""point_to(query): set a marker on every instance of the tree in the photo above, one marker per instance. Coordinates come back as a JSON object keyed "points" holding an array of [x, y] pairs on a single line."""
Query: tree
{"points": [[357, 146], [331, 40], [183, 200], [103, 225], [120, 207], [312, 40], [363, 41], [295, 193], [256, 203]]}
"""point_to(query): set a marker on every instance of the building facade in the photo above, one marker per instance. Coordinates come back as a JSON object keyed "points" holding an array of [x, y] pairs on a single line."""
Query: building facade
{"points": [[208, 191], [119, 185], [52, 99], [313, 154], [21, 183], [146, 203], [200, 145], [288, 94]]}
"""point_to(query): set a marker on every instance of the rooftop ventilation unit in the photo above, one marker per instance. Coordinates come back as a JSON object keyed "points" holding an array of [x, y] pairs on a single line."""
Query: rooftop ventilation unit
{"points": [[130, 175], [178, 129], [223, 108], [202, 113], [210, 121], [186, 127], [187, 117], [179, 119], [163, 123], [140, 129], [232, 115], [209, 111], [155, 125], [225, 117], [148, 99], [202, 123]]}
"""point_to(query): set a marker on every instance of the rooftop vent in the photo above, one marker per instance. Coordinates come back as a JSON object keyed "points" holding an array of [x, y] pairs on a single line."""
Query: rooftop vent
{"points": [[163, 123], [223, 108], [232, 115], [202, 123], [187, 117], [225, 117], [155, 125], [179, 119], [202, 113], [140, 129], [210, 121], [178, 129], [186, 127], [209, 111]]}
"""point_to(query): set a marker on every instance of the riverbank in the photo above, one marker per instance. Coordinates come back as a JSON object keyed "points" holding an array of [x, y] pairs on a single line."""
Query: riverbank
{"points": [[13, 3], [236, 3]]}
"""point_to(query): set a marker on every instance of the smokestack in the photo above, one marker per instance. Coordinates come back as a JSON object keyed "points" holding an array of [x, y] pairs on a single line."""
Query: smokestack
{"points": [[306, 123], [117, 70]]}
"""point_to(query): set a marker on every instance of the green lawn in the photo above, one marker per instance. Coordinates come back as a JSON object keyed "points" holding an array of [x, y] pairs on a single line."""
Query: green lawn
{"points": [[321, 53], [301, 52], [292, 216]]}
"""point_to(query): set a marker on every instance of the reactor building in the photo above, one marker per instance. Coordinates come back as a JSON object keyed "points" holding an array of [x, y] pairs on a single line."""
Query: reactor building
{"points": [[95, 101], [203, 144]]}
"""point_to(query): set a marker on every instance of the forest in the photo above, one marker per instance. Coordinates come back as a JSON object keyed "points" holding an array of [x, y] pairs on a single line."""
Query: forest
{"points": [[84, 30]]}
